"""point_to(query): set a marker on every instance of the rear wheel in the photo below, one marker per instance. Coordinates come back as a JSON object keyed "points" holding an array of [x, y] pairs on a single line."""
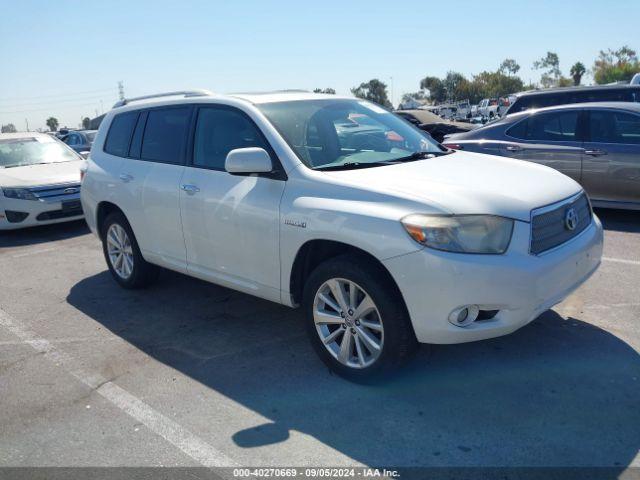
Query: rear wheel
{"points": [[356, 321], [121, 251]]}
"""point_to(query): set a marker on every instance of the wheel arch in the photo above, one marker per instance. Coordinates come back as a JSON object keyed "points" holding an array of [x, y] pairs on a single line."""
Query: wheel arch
{"points": [[314, 252], [103, 210]]}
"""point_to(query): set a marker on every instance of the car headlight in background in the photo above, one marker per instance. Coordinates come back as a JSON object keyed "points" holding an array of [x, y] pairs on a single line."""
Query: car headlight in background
{"points": [[460, 233], [19, 193]]}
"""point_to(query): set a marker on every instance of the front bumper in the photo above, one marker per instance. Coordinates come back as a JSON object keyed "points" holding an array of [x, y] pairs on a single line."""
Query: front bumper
{"points": [[38, 212], [520, 285]]}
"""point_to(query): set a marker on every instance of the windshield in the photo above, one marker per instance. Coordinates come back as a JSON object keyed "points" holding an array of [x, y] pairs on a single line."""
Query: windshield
{"points": [[329, 133], [18, 152]]}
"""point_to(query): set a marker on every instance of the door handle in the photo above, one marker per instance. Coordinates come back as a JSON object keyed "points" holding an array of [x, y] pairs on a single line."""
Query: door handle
{"points": [[595, 153], [514, 148], [125, 177], [190, 189]]}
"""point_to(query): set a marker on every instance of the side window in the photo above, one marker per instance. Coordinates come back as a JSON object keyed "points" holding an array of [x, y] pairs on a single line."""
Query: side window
{"points": [[220, 130], [120, 133], [614, 127], [165, 134], [550, 127]]}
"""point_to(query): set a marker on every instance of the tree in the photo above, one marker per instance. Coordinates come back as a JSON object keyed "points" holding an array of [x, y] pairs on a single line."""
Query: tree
{"points": [[437, 91], [86, 123], [325, 90], [8, 128], [551, 66], [509, 66], [493, 85], [52, 123], [615, 66], [576, 72], [454, 84], [374, 90]]}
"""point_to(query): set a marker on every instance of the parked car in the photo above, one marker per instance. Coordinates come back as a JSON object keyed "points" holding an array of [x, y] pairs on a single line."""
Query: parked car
{"points": [[433, 124], [80, 140], [488, 108], [635, 80], [550, 97], [596, 144], [383, 247], [39, 180]]}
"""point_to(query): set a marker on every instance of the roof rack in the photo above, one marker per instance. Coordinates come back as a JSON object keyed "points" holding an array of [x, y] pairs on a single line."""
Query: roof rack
{"points": [[184, 93]]}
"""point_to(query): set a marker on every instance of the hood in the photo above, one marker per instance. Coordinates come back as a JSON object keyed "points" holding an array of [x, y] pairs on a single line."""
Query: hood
{"points": [[45, 174], [468, 183]]}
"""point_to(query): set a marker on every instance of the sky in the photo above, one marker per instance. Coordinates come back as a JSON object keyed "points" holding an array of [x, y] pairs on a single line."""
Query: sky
{"points": [[65, 58]]}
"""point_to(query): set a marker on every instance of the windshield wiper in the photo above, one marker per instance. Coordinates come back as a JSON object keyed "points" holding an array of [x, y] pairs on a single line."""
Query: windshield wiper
{"points": [[421, 156], [355, 165]]}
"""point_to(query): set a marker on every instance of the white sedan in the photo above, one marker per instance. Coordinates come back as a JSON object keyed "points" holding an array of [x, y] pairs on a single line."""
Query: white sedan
{"points": [[39, 181]]}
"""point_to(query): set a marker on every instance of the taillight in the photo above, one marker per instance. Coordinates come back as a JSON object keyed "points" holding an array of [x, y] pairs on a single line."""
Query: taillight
{"points": [[453, 146]]}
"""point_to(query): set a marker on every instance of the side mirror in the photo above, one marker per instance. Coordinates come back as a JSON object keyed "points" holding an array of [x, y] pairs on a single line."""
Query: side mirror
{"points": [[85, 154], [248, 160]]}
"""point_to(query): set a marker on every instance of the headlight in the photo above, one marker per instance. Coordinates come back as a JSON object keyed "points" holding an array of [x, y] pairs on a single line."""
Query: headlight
{"points": [[460, 233], [19, 193]]}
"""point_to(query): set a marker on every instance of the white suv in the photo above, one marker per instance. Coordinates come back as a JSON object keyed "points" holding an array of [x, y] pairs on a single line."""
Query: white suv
{"points": [[384, 237]]}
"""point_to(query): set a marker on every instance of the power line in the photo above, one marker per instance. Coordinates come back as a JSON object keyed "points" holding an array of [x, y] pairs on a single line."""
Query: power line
{"points": [[54, 102], [57, 95], [93, 104]]}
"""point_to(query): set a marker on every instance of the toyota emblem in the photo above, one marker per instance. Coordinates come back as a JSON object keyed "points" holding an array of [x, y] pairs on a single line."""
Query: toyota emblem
{"points": [[571, 219]]}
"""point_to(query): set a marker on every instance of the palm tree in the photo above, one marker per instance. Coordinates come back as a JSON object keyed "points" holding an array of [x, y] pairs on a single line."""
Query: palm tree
{"points": [[576, 72], [52, 123]]}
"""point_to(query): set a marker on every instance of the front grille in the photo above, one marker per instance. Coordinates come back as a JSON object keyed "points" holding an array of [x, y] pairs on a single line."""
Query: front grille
{"points": [[549, 225], [57, 193], [57, 214]]}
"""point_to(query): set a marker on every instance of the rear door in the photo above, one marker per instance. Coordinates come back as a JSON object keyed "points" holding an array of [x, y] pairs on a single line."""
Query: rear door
{"points": [[611, 168], [150, 183], [553, 139]]}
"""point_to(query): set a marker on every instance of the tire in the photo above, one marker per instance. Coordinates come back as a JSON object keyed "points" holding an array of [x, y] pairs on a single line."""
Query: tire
{"points": [[396, 339], [137, 272]]}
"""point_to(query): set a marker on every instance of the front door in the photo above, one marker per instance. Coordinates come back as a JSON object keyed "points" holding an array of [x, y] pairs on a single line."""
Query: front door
{"points": [[551, 139], [230, 222]]}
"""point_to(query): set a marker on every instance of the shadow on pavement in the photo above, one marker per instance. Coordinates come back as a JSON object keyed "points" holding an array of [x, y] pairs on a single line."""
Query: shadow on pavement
{"points": [[619, 220], [42, 234], [556, 393]]}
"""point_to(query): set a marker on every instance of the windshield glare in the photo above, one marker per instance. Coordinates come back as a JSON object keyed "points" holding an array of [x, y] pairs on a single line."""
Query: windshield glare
{"points": [[18, 152], [326, 132]]}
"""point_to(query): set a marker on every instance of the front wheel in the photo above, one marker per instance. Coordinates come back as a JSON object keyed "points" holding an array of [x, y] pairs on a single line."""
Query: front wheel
{"points": [[356, 319]]}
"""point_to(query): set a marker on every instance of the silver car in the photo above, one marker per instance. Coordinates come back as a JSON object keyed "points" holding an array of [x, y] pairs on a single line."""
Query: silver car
{"points": [[596, 144]]}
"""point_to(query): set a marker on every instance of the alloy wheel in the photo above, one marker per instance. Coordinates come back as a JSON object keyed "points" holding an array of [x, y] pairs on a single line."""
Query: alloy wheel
{"points": [[348, 323], [120, 251]]}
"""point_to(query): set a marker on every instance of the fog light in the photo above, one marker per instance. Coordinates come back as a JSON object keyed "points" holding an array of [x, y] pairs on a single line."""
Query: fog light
{"points": [[15, 217], [464, 316]]}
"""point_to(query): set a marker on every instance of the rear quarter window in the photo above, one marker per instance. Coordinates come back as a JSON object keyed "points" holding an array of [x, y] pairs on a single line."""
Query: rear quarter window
{"points": [[119, 134]]}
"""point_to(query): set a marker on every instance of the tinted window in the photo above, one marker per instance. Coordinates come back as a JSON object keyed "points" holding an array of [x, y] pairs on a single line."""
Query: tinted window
{"points": [[164, 135], [120, 133], [220, 130], [136, 141], [614, 127], [550, 127]]}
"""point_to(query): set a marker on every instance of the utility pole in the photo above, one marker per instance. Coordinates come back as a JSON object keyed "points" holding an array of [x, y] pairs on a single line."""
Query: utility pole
{"points": [[27, 122], [121, 90]]}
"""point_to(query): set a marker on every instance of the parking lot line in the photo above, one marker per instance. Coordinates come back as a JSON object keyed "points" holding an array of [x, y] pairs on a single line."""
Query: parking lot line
{"points": [[171, 431], [621, 260]]}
